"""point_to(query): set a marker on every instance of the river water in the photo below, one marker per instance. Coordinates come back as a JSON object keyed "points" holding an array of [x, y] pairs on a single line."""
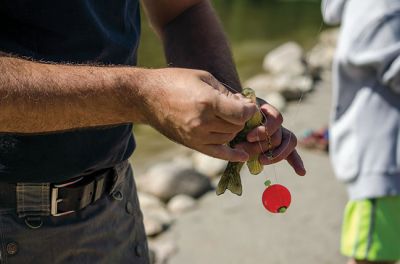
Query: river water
{"points": [[253, 27]]}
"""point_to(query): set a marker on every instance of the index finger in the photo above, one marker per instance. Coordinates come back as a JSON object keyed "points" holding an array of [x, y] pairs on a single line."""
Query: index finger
{"points": [[272, 122]]}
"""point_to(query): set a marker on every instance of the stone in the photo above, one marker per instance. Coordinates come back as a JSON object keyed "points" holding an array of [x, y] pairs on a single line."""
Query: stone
{"points": [[152, 256], [207, 165], [164, 247], [152, 226], [277, 100], [329, 37], [320, 57], [148, 201], [167, 179], [181, 203], [262, 84], [156, 218], [285, 59], [292, 88]]}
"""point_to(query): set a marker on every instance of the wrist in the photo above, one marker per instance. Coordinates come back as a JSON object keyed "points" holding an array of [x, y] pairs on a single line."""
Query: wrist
{"points": [[135, 93]]}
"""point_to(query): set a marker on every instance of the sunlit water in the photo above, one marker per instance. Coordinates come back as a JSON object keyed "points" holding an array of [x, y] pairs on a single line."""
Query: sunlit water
{"points": [[253, 27]]}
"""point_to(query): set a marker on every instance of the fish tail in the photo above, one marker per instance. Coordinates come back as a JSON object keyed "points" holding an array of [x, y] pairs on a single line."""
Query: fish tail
{"points": [[223, 183], [255, 167], [235, 184], [231, 179]]}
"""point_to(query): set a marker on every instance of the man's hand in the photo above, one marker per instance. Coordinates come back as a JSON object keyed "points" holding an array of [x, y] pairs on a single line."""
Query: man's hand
{"points": [[282, 140], [192, 108]]}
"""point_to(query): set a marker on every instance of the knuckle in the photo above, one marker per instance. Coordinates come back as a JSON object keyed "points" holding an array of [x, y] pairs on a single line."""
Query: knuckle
{"points": [[220, 153], [203, 73], [294, 139], [279, 118], [276, 140], [207, 77], [195, 123], [236, 129], [255, 148], [204, 103], [262, 133], [243, 116], [230, 137]]}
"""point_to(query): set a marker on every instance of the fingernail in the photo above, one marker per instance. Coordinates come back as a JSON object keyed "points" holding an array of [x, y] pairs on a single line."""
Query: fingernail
{"points": [[305, 171], [302, 168], [252, 139]]}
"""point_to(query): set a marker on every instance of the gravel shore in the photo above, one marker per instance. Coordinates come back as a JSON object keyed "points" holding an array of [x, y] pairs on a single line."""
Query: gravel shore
{"points": [[230, 229]]}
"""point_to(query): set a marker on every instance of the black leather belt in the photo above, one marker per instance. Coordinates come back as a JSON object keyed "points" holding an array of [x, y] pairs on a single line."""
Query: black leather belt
{"points": [[43, 199]]}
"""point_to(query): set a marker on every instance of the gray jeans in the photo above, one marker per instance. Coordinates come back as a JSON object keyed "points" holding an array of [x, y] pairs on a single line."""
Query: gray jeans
{"points": [[109, 231]]}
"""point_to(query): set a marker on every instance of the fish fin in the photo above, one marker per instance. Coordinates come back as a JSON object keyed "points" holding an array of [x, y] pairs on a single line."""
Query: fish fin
{"points": [[255, 167], [231, 179], [235, 184], [223, 184]]}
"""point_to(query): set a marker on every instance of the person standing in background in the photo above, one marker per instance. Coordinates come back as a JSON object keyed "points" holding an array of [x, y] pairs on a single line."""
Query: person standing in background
{"points": [[365, 125]]}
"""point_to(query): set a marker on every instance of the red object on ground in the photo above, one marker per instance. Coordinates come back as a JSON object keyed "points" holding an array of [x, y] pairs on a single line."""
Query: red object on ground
{"points": [[276, 198], [315, 139]]}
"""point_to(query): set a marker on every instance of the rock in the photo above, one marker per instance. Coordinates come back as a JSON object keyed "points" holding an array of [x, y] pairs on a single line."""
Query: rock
{"points": [[152, 226], [277, 100], [320, 57], [152, 256], [262, 84], [329, 37], [292, 88], [207, 165], [164, 247], [165, 180], [181, 203], [286, 59], [148, 201], [156, 220], [155, 216]]}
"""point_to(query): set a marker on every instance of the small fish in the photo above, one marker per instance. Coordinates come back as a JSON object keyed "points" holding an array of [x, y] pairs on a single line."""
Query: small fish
{"points": [[231, 177]]}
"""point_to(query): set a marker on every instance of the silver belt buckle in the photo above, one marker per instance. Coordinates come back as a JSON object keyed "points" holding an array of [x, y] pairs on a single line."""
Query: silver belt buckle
{"points": [[55, 200]]}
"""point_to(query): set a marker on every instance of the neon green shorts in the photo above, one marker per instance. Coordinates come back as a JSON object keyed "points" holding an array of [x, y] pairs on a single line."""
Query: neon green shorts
{"points": [[371, 229]]}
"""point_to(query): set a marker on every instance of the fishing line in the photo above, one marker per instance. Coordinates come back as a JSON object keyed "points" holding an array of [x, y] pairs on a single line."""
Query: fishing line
{"points": [[269, 153]]}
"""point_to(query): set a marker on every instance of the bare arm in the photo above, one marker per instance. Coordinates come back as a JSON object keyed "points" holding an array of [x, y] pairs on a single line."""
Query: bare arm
{"points": [[194, 38], [38, 97]]}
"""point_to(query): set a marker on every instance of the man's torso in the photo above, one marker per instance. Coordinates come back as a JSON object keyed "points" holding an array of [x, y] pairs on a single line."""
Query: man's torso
{"points": [[76, 31]]}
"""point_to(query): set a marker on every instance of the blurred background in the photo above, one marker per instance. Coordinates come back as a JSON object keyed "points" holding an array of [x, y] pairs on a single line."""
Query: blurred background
{"points": [[185, 221], [253, 27]]}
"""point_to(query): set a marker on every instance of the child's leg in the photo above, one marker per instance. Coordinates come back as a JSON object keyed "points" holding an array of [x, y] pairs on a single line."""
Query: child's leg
{"points": [[353, 261], [371, 231]]}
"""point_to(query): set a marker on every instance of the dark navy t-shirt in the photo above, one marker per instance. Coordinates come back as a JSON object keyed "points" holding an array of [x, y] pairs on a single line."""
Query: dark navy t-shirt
{"points": [[76, 31]]}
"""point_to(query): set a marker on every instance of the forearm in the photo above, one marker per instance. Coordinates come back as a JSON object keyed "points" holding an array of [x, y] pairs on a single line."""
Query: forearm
{"points": [[195, 39], [38, 97]]}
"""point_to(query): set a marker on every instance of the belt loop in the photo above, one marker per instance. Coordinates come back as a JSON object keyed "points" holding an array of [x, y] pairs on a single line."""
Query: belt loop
{"points": [[119, 174], [99, 186], [33, 199]]}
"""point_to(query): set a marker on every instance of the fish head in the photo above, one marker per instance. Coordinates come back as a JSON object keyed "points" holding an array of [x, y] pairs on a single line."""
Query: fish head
{"points": [[249, 93]]}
